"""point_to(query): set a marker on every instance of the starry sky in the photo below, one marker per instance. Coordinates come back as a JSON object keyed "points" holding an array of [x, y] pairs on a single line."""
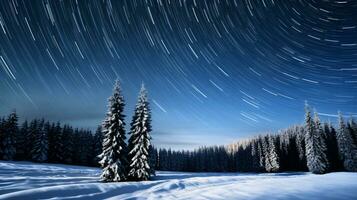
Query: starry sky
{"points": [[216, 70]]}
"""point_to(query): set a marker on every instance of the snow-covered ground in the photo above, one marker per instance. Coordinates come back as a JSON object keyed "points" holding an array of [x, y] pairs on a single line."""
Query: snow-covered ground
{"points": [[24, 180]]}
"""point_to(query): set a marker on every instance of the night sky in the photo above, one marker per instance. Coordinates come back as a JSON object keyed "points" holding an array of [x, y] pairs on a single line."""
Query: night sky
{"points": [[215, 70]]}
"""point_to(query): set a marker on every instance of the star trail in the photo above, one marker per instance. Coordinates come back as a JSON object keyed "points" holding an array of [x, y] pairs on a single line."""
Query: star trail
{"points": [[216, 70]]}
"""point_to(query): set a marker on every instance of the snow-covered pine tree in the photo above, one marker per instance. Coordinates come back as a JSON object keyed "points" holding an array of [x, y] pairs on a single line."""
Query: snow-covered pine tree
{"points": [[265, 148], [322, 142], [261, 154], [113, 158], [10, 132], [347, 149], [272, 159], [270, 154], [139, 141], [254, 155], [39, 151], [315, 149]]}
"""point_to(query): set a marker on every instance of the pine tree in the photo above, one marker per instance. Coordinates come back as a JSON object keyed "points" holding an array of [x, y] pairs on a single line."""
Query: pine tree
{"points": [[76, 147], [10, 132], [332, 148], [265, 149], [55, 141], [283, 149], [301, 147], [255, 153], [322, 142], [152, 159], [21, 138], [347, 149], [163, 160], [113, 158], [30, 137], [68, 146], [97, 144], [139, 141], [88, 147], [261, 154], [271, 156], [39, 151], [317, 162], [83, 147]]}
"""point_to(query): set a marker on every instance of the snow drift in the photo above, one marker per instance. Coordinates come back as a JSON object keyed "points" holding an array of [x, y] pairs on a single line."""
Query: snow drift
{"points": [[25, 180]]}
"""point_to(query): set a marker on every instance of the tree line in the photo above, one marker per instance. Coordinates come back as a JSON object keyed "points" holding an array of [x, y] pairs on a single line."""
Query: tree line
{"points": [[39, 140], [314, 146], [121, 160], [45, 142]]}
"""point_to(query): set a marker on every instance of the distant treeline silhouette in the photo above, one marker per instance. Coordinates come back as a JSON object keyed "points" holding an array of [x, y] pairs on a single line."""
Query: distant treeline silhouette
{"points": [[42, 141], [315, 146]]}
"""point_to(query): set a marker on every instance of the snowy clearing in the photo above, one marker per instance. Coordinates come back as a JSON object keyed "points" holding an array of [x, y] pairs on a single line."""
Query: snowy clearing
{"points": [[25, 180]]}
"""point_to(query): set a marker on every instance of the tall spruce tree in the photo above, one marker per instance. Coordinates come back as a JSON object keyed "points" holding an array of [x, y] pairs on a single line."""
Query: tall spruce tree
{"points": [[315, 150], [347, 149], [139, 142], [113, 158], [322, 142], [265, 148], [9, 137]]}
